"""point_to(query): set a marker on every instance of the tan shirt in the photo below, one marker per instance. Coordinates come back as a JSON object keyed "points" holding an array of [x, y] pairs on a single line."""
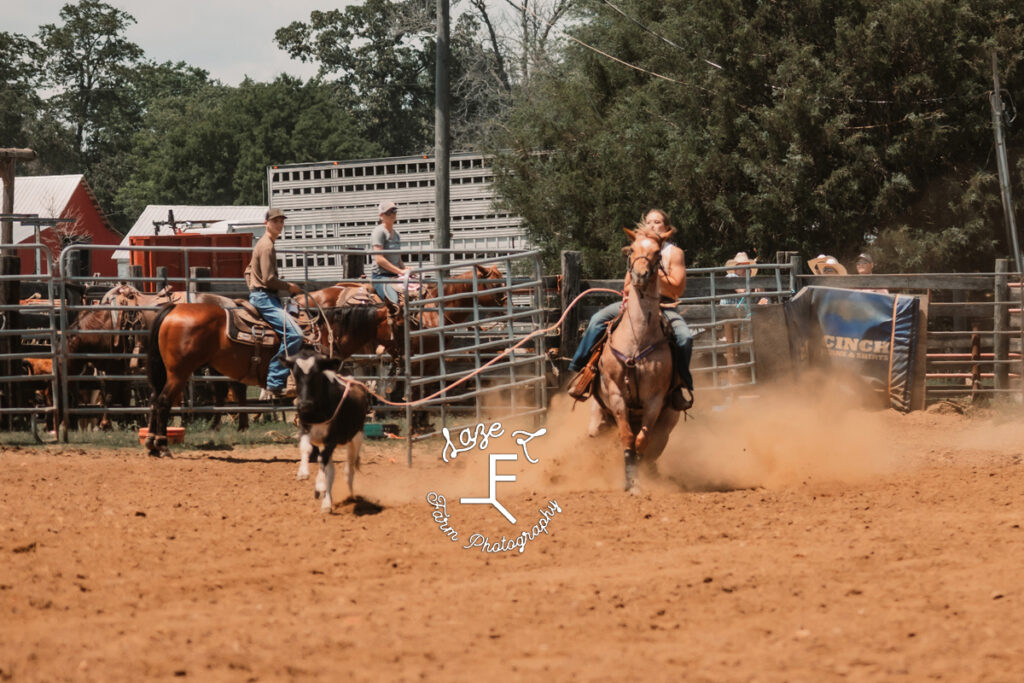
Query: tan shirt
{"points": [[262, 270]]}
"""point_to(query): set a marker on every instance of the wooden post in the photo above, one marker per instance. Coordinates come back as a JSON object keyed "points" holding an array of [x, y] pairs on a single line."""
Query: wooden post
{"points": [[135, 277], [199, 280], [354, 266], [976, 363], [161, 278], [571, 288], [795, 269], [1000, 325]]}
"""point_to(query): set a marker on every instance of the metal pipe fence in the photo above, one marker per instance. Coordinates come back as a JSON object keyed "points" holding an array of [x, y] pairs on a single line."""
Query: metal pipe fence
{"points": [[512, 387], [474, 328], [27, 339]]}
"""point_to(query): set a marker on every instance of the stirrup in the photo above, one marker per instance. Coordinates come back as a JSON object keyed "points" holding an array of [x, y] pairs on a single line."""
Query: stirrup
{"points": [[680, 401], [580, 387]]}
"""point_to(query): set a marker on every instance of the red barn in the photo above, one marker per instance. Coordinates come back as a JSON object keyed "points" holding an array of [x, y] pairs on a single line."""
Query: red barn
{"points": [[63, 196]]}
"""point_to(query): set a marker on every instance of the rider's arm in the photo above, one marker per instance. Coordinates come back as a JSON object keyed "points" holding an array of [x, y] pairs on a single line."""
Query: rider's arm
{"points": [[378, 240], [264, 267], [673, 280], [388, 265]]}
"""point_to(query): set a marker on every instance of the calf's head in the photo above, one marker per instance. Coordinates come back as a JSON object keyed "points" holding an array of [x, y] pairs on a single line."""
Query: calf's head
{"points": [[314, 375]]}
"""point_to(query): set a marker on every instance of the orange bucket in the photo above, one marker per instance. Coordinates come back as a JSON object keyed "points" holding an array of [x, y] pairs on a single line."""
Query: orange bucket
{"points": [[174, 434]]}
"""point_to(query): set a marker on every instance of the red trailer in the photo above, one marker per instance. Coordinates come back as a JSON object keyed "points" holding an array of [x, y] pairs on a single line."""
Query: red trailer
{"points": [[226, 264]]}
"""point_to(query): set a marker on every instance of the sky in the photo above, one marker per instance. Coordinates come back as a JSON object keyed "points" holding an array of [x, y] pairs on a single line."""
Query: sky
{"points": [[231, 39]]}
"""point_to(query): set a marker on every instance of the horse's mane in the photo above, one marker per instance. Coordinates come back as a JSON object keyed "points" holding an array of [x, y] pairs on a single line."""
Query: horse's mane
{"points": [[94, 320], [355, 317], [643, 231]]}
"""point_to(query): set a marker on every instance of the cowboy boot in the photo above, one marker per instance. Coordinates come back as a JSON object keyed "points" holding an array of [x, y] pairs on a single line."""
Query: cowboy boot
{"points": [[681, 396], [579, 387]]}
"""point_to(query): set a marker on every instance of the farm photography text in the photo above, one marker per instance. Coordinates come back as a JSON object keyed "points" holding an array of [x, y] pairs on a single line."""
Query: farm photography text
{"points": [[479, 437]]}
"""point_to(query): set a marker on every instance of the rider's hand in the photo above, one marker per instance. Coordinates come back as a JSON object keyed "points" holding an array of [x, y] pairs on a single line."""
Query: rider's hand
{"points": [[294, 288]]}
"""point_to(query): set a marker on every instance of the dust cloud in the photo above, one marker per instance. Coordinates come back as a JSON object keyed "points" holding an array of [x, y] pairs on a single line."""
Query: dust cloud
{"points": [[771, 436], [780, 436]]}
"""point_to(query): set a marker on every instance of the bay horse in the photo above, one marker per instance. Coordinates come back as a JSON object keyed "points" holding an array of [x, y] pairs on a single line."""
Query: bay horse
{"points": [[187, 336], [636, 364]]}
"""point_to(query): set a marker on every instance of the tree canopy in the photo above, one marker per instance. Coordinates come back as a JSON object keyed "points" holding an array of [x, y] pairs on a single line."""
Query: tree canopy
{"points": [[793, 125], [806, 126]]}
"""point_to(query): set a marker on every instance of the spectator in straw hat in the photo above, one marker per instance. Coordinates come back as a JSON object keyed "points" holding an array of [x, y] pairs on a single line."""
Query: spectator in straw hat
{"points": [[826, 265], [741, 259]]}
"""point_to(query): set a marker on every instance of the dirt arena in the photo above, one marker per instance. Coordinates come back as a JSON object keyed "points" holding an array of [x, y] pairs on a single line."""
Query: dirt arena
{"points": [[786, 541]]}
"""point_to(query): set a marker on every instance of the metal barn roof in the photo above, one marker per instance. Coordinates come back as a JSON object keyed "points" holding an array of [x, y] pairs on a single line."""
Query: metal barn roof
{"points": [[47, 196]]}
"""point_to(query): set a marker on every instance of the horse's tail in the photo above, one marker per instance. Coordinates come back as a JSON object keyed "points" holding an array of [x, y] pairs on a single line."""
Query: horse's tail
{"points": [[155, 368]]}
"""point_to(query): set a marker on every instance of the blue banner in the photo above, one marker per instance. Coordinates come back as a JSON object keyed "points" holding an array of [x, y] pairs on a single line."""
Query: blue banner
{"points": [[864, 333]]}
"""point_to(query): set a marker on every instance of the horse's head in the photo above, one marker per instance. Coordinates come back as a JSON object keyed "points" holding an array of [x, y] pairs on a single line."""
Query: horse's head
{"points": [[487, 298], [644, 255]]}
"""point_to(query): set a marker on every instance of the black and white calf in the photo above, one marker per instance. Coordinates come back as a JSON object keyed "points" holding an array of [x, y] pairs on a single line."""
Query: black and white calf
{"points": [[331, 412]]}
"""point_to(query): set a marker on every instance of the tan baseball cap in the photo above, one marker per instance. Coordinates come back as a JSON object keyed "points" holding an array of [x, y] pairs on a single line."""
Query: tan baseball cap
{"points": [[274, 213], [386, 206]]}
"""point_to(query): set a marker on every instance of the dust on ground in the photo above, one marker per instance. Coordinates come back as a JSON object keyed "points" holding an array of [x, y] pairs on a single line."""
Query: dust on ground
{"points": [[788, 537]]}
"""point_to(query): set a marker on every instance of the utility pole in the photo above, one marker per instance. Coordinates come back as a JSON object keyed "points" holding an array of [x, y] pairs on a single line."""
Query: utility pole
{"points": [[442, 235], [996, 101]]}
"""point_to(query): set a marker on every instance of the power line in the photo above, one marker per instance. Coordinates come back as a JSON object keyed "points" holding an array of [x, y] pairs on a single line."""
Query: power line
{"points": [[648, 29]]}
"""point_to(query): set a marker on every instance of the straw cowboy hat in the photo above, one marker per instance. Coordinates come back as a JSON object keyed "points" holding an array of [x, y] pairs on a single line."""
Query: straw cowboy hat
{"points": [[826, 265], [741, 259]]}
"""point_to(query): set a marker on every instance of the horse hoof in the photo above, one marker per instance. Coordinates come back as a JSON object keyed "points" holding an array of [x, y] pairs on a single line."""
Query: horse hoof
{"points": [[302, 476], [316, 495]]}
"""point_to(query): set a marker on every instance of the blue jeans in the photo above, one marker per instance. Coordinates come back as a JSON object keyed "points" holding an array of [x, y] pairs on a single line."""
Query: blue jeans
{"points": [[269, 306], [385, 290], [681, 341]]}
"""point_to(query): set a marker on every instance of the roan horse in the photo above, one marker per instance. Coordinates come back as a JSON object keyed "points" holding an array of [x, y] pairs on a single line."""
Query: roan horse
{"points": [[187, 336], [134, 317], [636, 364], [103, 332]]}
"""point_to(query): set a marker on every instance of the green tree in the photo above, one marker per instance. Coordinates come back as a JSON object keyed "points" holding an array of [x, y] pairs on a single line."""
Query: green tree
{"points": [[808, 126], [19, 102], [212, 145], [377, 56], [383, 54], [89, 62]]}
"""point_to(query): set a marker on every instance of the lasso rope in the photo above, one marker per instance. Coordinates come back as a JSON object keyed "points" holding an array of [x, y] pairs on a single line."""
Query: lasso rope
{"points": [[488, 363]]}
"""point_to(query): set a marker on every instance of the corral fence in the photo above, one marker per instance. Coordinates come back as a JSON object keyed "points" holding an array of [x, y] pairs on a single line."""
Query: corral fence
{"points": [[28, 339], [730, 311], [972, 323], [511, 387], [479, 361]]}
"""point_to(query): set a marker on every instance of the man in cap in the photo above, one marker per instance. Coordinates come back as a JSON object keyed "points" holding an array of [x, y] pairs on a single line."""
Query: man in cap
{"points": [[264, 285], [386, 268], [866, 266]]}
